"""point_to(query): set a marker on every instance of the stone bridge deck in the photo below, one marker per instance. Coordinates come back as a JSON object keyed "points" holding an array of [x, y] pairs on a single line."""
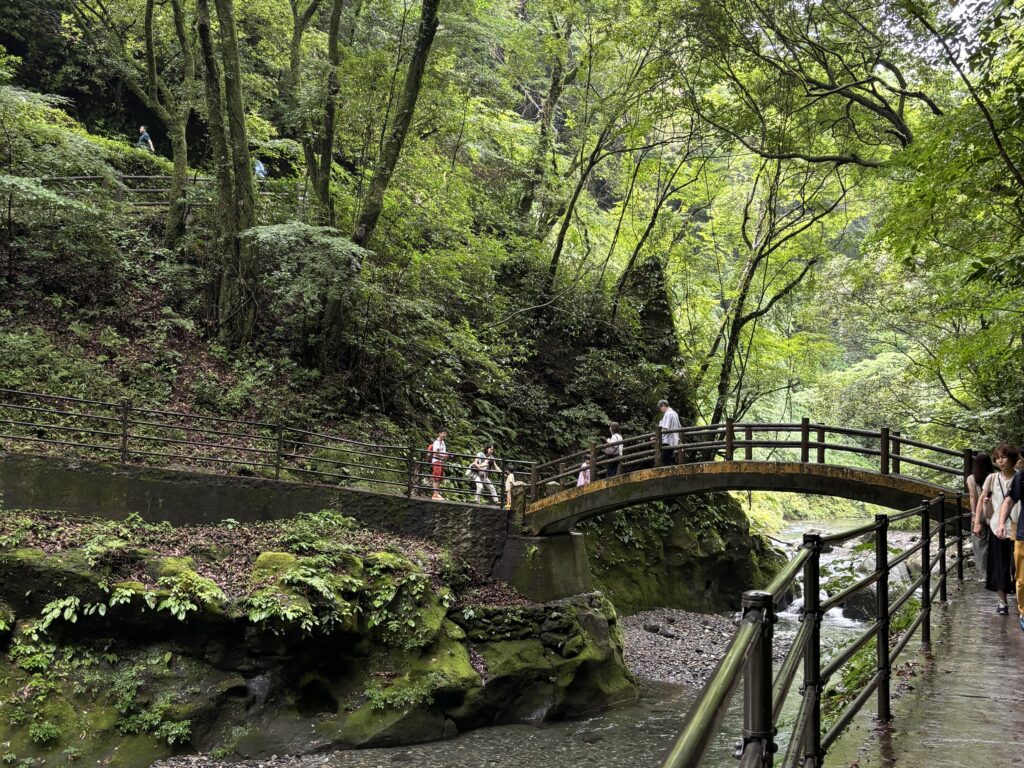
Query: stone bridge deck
{"points": [[965, 708]]}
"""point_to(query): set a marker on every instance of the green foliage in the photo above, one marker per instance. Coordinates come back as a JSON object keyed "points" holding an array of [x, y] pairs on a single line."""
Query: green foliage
{"points": [[402, 694]]}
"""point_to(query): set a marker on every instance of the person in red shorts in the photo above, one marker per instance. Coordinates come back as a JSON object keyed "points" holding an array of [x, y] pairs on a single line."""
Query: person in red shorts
{"points": [[438, 450]]}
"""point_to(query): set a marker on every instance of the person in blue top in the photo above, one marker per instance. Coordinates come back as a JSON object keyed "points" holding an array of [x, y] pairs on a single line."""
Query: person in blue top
{"points": [[144, 141], [259, 170], [1013, 496]]}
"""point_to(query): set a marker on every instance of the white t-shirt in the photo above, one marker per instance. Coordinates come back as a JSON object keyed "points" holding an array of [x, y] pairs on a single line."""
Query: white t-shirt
{"points": [[614, 450], [999, 486], [437, 451], [670, 420]]}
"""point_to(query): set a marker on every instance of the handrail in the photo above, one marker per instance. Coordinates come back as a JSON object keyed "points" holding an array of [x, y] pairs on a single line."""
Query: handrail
{"points": [[158, 437], [750, 651], [732, 441]]}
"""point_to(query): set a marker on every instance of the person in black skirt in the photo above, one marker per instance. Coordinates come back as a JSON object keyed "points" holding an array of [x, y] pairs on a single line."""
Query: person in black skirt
{"points": [[999, 576]]}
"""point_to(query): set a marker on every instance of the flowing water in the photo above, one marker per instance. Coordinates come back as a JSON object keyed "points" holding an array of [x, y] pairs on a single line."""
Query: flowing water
{"points": [[633, 736]]}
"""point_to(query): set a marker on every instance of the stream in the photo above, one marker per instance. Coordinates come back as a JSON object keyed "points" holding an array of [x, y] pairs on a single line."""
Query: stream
{"points": [[633, 736]]}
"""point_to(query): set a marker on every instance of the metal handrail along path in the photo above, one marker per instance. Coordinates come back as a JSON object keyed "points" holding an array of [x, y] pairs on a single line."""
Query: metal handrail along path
{"points": [[750, 653]]}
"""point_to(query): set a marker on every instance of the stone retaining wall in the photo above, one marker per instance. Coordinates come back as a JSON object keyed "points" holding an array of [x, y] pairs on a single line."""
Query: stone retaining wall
{"points": [[112, 491]]}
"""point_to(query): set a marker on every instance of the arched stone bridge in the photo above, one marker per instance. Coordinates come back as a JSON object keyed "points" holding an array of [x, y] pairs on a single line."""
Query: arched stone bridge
{"points": [[877, 467]]}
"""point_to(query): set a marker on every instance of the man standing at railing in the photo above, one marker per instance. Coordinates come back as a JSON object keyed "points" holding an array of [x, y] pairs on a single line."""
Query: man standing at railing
{"points": [[144, 141], [438, 452], [669, 432]]}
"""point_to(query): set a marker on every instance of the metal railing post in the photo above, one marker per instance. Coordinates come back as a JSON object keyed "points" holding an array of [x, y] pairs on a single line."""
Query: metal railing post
{"points": [[959, 536], [821, 445], [278, 451], [812, 656], [657, 447], [758, 729], [805, 440], [896, 451], [883, 444], [883, 666], [942, 547], [926, 574], [126, 411], [730, 438], [410, 470], [748, 452]]}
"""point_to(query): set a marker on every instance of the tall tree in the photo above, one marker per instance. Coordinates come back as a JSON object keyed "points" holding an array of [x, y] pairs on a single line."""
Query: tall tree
{"points": [[385, 166]]}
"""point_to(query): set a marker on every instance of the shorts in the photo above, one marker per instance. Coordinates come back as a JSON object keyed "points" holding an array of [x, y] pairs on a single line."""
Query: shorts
{"points": [[437, 469]]}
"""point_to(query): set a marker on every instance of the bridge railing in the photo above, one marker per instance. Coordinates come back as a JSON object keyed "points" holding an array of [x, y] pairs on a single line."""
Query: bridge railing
{"points": [[131, 435], [884, 450], [766, 689]]}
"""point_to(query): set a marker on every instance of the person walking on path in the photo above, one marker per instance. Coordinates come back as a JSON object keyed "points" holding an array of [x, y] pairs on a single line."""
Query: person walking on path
{"points": [[482, 467], [996, 490], [438, 452], [981, 513], [510, 481], [259, 170], [613, 448], [1011, 528], [144, 141], [669, 435]]}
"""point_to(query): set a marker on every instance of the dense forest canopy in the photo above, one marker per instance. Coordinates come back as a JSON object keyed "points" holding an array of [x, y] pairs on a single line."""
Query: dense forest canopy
{"points": [[522, 219]]}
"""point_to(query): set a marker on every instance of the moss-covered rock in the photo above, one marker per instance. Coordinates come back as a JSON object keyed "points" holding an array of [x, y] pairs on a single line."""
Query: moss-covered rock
{"points": [[696, 552]]}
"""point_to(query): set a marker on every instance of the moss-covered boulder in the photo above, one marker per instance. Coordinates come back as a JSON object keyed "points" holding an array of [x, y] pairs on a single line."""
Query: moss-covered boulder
{"points": [[696, 552], [128, 643]]}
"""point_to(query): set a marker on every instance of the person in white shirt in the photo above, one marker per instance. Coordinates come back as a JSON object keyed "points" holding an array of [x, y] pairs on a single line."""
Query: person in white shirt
{"points": [[480, 470], [613, 449], [438, 451], [669, 432]]}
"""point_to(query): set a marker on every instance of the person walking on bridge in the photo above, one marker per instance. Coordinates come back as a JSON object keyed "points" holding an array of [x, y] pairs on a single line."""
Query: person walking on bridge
{"points": [[438, 451], [1011, 528], [997, 489], [669, 432], [481, 468], [613, 448]]}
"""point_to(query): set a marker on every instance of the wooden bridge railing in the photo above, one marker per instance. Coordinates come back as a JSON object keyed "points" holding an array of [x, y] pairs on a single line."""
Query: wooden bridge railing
{"points": [[128, 434], [750, 654], [883, 450]]}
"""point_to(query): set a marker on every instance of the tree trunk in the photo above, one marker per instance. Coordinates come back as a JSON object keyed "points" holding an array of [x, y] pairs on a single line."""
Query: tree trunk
{"points": [[237, 307], [544, 140], [400, 126], [174, 223], [323, 187]]}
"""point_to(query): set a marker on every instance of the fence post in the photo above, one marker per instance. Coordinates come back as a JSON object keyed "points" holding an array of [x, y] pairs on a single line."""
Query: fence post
{"points": [[895, 452], [805, 440], [561, 475], [730, 438], [960, 536], [748, 435], [593, 462], [812, 656], [821, 445], [534, 482], [126, 411], [883, 444], [657, 447], [411, 470], [758, 730], [278, 451], [884, 666], [926, 575], [942, 547]]}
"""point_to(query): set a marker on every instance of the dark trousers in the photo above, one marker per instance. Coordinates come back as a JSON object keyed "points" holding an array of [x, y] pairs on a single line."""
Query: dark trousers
{"points": [[613, 468], [667, 455]]}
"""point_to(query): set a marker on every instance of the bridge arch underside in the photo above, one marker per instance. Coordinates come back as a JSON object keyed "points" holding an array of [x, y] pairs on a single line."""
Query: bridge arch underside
{"points": [[561, 511]]}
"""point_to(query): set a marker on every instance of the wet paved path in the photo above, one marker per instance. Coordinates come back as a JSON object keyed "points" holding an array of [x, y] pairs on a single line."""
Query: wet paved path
{"points": [[966, 705]]}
